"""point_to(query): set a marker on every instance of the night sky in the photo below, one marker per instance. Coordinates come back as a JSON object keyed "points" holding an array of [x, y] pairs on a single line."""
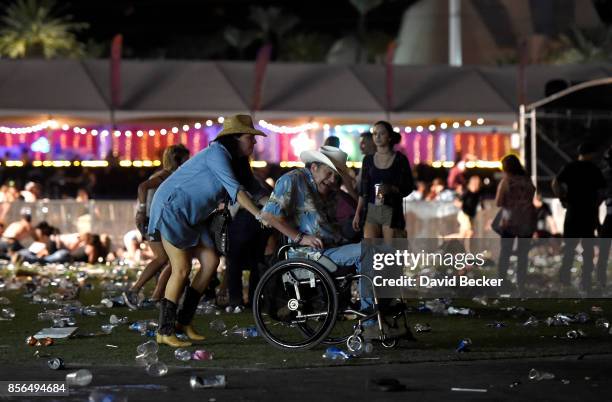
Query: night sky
{"points": [[193, 28]]}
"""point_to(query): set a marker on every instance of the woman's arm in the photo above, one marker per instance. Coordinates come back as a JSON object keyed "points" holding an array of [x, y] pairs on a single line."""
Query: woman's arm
{"points": [[247, 203], [155, 181], [357, 218]]}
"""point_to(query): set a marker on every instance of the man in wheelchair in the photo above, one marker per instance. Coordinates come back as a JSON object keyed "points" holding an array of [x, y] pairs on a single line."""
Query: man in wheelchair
{"points": [[302, 207]]}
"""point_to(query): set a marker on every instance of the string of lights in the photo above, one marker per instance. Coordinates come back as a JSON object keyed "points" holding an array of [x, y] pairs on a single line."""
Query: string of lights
{"points": [[297, 129]]}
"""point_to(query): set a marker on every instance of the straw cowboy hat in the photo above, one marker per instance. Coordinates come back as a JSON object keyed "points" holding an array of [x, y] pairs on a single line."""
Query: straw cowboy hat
{"points": [[318, 157], [338, 157], [239, 124]]}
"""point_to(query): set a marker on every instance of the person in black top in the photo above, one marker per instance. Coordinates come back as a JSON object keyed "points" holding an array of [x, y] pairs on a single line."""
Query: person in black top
{"points": [[386, 178], [579, 186]]}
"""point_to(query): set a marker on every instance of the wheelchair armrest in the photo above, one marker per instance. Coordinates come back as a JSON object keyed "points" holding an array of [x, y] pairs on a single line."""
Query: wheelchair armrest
{"points": [[282, 252]]}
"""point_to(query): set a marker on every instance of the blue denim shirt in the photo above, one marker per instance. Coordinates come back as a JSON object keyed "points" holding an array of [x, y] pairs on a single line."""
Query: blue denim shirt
{"points": [[186, 198]]}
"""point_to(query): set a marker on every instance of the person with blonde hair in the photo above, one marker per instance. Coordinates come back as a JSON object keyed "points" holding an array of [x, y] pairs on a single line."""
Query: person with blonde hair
{"points": [[174, 156]]}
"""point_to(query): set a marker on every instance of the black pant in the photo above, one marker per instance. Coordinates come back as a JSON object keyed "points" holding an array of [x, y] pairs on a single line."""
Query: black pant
{"points": [[522, 253], [578, 228], [247, 242], [604, 251]]}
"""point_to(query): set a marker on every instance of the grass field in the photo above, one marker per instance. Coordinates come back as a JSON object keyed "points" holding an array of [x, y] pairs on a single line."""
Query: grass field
{"points": [[514, 340]]}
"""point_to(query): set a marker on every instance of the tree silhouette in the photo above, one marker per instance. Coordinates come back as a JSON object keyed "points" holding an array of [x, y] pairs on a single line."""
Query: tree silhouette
{"points": [[31, 28]]}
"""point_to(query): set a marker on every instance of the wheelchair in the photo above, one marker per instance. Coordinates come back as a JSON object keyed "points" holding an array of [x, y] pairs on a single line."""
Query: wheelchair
{"points": [[300, 303]]}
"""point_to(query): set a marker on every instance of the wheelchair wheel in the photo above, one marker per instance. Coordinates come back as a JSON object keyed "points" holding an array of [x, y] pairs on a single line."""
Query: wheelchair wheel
{"points": [[345, 323], [295, 304]]}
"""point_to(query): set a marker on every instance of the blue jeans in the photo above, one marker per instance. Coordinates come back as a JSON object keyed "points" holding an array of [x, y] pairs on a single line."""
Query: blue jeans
{"points": [[348, 255], [60, 256]]}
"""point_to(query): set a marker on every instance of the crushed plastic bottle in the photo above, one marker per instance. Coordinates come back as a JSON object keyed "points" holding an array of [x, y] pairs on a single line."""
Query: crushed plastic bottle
{"points": [[108, 303], [202, 354], [107, 328], [482, 300], [582, 318], [575, 334], [247, 332], [157, 369], [602, 323], [182, 354], [536, 375], [218, 325], [4, 300], [531, 322], [419, 328], [80, 378], [460, 311], [146, 359], [113, 319], [216, 381], [58, 323], [558, 320], [435, 306], [149, 347], [7, 313], [496, 324], [365, 349], [89, 311], [139, 326], [208, 308], [464, 345], [334, 353]]}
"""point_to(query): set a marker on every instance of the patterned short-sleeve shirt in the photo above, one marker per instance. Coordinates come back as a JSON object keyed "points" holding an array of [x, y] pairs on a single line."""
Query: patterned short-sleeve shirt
{"points": [[296, 199]]}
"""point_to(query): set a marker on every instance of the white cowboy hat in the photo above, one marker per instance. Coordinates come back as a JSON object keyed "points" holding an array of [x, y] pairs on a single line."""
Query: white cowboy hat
{"points": [[338, 157], [319, 157]]}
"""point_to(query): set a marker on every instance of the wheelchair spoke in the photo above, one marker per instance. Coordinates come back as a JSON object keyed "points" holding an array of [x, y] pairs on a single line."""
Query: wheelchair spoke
{"points": [[295, 304]]}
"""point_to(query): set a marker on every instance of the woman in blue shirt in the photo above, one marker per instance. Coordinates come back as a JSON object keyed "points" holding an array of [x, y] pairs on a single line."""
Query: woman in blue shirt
{"points": [[179, 213]]}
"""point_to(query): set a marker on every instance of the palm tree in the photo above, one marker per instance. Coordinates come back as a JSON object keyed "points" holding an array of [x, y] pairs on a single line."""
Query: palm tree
{"points": [[273, 25], [363, 7], [583, 46], [239, 39], [272, 22], [31, 28]]}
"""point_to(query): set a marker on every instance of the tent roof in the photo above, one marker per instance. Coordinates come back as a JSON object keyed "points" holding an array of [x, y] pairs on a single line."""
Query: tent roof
{"points": [[166, 88]]}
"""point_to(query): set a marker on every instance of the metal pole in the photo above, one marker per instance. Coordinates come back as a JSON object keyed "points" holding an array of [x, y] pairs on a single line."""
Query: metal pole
{"points": [[522, 132], [534, 163], [454, 33]]}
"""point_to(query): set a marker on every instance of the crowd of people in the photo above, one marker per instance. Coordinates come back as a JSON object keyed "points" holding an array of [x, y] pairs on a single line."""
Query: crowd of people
{"points": [[184, 208]]}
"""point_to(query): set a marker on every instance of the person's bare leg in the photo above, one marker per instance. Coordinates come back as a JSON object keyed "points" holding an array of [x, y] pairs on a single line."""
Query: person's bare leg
{"points": [[388, 234], [160, 287], [209, 260], [180, 261], [371, 231], [157, 263]]}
